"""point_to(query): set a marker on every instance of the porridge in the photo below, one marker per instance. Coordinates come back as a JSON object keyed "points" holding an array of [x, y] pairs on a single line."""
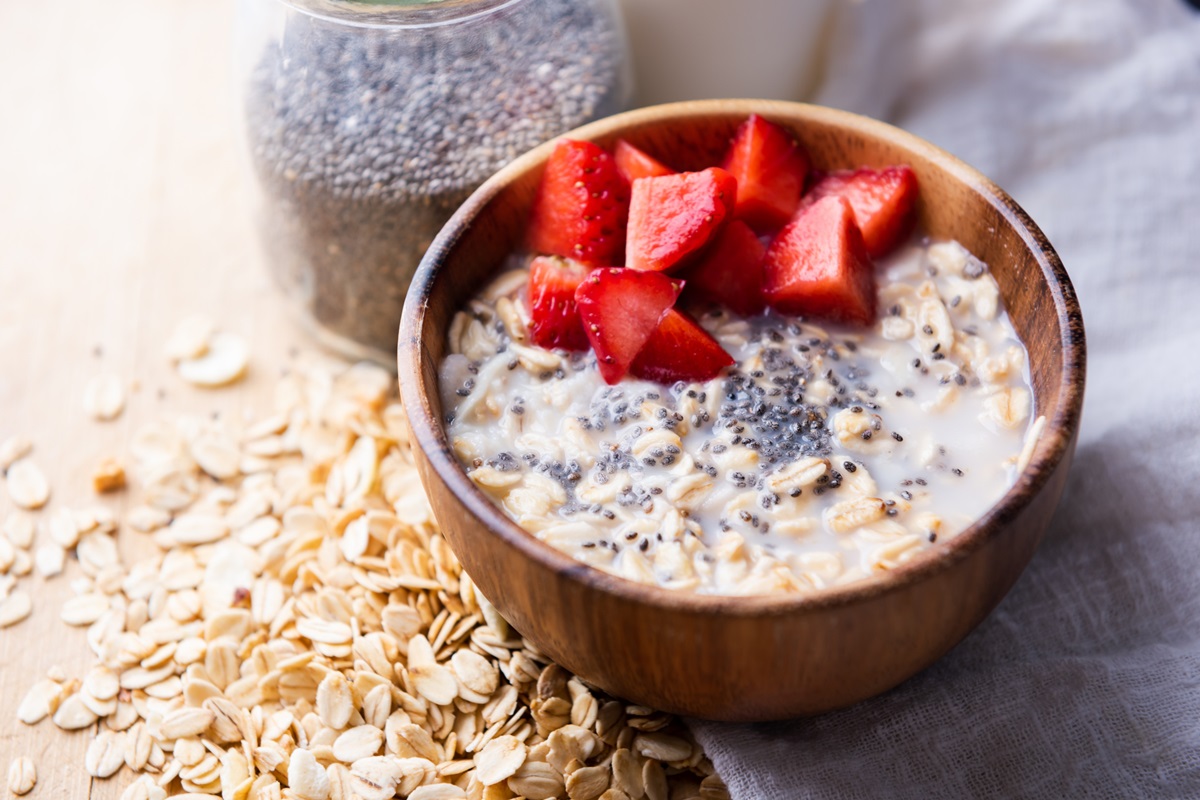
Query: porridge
{"points": [[810, 453], [825, 454]]}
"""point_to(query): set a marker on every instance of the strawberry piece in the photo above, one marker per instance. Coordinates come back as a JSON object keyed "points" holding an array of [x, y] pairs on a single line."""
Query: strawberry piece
{"points": [[884, 203], [818, 265], [620, 308], [680, 350], [634, 163], [672, 216], [582, 206], [730, 271], [553, 314], [770, 168]]}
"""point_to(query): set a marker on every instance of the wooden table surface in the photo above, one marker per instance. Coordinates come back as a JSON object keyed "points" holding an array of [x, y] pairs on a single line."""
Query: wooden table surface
{"points": [[124, 204]]}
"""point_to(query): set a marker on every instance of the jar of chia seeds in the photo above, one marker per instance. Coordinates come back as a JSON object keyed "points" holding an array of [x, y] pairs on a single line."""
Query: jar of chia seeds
{"points": [[369, 123]]}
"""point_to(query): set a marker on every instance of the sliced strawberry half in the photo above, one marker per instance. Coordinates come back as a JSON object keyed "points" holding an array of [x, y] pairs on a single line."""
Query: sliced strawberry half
{"points": [[680, 350], [884, 202], [620, 308], [818, 266], [770, 167], [673, 216], [634, 163], [582, 207], [730, 271], [553, 314]]}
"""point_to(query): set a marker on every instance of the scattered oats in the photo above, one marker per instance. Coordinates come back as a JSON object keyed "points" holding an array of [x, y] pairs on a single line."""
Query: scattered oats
{"points": [[307, 778], [713, 788], [22, 564], [102, 682], [63, 528], [39, 702], [437, 791], [8, 554], [73, 714], [98, 550], [334, 703], [588, 783], [22, 776], [144, 788], [109, 476], [662, 747], [537, 779], [104, 398], [186, 722], [146, 519], [476, 675], [324, 631], [434, 682], [303, 631], [190, 338], [218, 456], [13, 449], [49, 560], [362, 741], [105, 754], [197, 529], [500, 759], [18, 529], [27, 485], [224, 362], [84, 609], [14, 608]]}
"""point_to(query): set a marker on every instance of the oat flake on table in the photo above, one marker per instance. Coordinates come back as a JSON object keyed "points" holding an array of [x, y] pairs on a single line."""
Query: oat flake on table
{"points": [[304, 631]]}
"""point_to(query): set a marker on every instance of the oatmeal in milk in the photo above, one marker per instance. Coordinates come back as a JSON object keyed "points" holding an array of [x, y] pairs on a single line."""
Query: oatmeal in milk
{"points": [[824, 454]]}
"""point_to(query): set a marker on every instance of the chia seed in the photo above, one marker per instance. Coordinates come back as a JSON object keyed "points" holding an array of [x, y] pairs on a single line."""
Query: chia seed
{"points": [[366, 139]]}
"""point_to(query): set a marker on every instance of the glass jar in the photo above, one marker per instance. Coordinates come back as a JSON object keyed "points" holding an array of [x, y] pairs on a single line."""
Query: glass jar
{"points": [[369, 123]]}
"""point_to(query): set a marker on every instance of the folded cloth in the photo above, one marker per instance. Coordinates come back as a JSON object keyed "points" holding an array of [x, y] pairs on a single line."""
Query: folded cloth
{"points": [[1085, 682]]}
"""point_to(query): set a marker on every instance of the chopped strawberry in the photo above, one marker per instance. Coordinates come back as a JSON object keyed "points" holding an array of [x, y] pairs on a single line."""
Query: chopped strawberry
{"points": [[634, 163], [770, 168], [818, 266], [672, 216], [620, 308], [730, 270], [884, 202], [553, 314], [582, 206], [680, 350]]}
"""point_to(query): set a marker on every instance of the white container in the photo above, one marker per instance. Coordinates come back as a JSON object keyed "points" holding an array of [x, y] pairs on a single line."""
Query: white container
{"points": [[698, 49]]}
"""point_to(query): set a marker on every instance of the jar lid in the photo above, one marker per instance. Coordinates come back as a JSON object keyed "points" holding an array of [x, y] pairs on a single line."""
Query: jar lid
{"points": [[399, 13]]}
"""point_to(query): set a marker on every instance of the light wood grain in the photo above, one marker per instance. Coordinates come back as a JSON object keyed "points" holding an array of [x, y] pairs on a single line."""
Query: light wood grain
{"points": [[123, 204], [764, 657]]}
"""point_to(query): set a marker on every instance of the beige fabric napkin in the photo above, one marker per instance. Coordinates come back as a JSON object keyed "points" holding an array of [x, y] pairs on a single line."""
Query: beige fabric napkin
{"points": [[1085, 683]]}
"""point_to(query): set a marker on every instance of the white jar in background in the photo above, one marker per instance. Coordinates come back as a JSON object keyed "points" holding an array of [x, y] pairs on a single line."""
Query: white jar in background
{"points": [[695, 49]]}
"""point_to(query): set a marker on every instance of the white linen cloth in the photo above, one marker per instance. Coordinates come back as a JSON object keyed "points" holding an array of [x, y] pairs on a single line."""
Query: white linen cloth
{"points": [[1085, 682]]}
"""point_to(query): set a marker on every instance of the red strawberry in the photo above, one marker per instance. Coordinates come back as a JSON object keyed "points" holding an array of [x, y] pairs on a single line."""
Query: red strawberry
{"points": [[770, 168], [818, 265], [582, 206], [634, 163], [680, 350], [884, 202], [672, 216], [553, 315], [730, 271], [620, 308]]}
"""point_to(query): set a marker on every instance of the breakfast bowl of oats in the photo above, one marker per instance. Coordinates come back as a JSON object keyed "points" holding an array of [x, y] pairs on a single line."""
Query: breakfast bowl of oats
{"points": [[742, 409]]}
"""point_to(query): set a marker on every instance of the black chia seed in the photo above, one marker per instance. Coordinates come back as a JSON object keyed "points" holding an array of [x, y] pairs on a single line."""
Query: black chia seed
{"points": [[366, 139]]}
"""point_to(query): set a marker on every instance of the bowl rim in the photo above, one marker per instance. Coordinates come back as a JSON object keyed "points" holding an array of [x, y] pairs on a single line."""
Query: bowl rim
{"points": [[1053, 445]]}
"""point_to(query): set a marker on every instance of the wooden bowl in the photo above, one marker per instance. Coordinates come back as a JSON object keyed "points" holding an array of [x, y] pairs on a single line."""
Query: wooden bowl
{"points": [[762, 657]]}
